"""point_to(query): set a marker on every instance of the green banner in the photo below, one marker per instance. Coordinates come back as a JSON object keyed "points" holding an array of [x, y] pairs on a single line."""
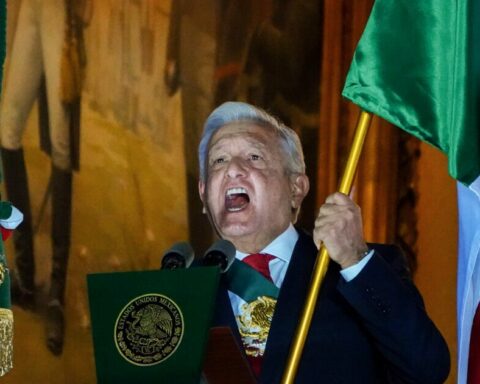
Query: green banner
{"points": [[151, 326], [248, 283]]}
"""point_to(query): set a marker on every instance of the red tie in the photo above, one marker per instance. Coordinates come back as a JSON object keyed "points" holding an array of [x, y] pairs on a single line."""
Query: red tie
{"points": [[474, 355], [259, 261]]}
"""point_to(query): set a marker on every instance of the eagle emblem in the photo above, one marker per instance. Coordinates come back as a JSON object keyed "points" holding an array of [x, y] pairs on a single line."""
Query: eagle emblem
{"points": [[149, 329]]}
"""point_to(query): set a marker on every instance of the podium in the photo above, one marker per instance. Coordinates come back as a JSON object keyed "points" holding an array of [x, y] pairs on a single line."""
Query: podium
{"points": [[224, 362], [154, 327]]}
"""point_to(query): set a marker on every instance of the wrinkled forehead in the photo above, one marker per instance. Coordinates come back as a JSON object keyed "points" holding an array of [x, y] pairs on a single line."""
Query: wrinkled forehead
{"points": [[250, 132]]}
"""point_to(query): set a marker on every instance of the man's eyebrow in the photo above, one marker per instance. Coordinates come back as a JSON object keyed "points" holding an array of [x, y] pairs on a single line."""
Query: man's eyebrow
{"points": [[215, 148]]}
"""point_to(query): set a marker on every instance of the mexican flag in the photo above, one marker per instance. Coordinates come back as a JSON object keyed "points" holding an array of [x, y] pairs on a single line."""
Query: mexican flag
{"points": [[417, 65]]}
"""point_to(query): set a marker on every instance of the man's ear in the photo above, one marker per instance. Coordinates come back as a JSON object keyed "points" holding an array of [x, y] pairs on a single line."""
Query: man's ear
{"points": [[201, 190], [203, 197], [300, 185]]}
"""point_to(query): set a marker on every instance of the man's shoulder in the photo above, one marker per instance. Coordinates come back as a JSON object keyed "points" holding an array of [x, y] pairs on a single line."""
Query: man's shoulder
{"points": [[390, 253], [305, 240]]}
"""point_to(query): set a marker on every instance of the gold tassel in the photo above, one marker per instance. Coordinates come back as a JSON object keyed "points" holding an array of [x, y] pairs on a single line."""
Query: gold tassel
{"points": [[6, 340]]}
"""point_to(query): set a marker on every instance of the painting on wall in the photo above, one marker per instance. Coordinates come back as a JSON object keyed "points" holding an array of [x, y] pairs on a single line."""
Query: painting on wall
{"points": [[103, 103]]}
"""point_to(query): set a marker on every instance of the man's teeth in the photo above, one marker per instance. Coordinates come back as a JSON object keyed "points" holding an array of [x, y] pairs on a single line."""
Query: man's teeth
{"points": [[235, 191], [236, 199]]}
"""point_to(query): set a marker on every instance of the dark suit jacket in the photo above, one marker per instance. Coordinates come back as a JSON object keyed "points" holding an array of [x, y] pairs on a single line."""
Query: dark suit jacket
{"points": [[373, 329]]}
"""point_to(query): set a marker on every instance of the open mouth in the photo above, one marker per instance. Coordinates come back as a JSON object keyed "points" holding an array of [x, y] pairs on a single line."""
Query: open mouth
{"points": [[236, 199]]}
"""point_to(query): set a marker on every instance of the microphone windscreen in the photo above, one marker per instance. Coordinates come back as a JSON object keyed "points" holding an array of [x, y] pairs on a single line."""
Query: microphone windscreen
{"points": [[221, 254], [179, 255]]}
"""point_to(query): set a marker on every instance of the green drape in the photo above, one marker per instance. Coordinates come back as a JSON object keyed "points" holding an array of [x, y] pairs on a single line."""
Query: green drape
{"points": [[417, 65]]}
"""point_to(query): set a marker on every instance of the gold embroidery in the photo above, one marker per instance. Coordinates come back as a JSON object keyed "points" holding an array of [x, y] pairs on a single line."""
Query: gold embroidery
{"points": [[2, 273], [254, 324], [6, 337], [149, 329]]}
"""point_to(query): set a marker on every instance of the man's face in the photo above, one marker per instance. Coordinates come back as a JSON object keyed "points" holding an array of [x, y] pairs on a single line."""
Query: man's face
{"points": [[248, 192]]}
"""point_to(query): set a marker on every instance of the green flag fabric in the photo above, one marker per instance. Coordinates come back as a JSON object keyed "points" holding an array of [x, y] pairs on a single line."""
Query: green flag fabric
{"points": [[417, 65]]}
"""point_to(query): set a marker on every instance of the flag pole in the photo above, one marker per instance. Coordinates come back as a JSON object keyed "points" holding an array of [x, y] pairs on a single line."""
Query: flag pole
{"points": [[322, 261]]}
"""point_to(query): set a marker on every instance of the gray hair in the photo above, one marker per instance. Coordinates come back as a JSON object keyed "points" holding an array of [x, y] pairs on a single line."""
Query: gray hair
{"points": [[234, 111]]}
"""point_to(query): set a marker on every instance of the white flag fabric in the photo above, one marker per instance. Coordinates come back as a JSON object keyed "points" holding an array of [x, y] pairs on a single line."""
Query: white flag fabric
{"points": [[468, 283]]}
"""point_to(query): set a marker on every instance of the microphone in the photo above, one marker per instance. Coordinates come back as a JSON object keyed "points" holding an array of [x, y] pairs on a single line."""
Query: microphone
{"points": [[221, 254], [180, 255]]}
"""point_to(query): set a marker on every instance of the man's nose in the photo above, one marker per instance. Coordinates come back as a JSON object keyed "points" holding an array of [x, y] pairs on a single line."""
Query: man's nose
{"points": [[236, 168]]}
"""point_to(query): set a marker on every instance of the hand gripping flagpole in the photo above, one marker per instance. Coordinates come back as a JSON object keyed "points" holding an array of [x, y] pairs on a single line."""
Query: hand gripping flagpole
{"points": [[321, 264]]}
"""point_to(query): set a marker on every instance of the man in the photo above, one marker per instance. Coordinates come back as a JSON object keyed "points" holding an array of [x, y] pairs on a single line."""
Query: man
{"points": [[369, 326]]}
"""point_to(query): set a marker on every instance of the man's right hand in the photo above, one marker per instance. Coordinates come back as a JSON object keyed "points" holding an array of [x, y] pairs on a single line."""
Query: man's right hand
{"points": [[339, 227]]}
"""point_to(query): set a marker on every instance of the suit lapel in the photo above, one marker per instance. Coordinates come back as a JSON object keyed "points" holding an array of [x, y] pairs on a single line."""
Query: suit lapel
{"points": [[288, 310], [289, 306]]}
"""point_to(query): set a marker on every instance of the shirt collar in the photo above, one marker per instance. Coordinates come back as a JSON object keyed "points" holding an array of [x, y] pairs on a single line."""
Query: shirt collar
{"points": [[281, 247]]}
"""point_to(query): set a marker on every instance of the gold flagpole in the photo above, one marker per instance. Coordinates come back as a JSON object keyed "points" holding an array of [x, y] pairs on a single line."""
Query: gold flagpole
{"points": [[321, 264]]}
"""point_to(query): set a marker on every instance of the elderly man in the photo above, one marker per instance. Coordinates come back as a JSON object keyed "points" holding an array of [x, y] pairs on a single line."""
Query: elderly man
{"points": [[369, 326]]}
